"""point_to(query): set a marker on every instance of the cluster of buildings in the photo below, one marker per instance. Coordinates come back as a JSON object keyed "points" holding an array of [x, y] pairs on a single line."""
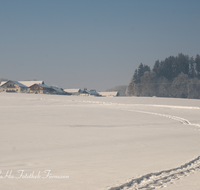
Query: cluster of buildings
{"points": [[39, 87]]}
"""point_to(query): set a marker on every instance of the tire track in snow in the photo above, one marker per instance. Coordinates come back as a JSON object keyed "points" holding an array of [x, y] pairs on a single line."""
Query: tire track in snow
{"points": [[167, 106], [180, 119], [146, 105], [159, 179]]}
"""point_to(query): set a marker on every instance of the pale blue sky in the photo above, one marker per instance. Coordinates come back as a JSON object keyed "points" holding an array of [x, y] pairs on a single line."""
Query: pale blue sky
{"points": [[93, 43]]}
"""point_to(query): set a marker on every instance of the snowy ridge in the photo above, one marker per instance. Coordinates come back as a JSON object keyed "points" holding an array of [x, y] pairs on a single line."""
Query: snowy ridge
{"points": [[159, 179]]}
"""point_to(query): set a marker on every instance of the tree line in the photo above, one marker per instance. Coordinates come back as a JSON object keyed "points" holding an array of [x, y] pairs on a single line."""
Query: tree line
{"points": [[176, 76]]}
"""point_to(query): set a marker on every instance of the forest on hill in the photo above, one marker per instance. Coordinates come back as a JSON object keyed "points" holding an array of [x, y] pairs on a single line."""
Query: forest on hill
{"points": [[176, 76]]}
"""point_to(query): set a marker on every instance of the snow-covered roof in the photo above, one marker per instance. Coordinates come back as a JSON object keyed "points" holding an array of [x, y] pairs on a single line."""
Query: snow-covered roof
{"points": [[16, 82], [93, 92], [57, 89], [26, 83], [3, 82], [42, 85], [30, 83], [72, 90], [90, 92], [114, 93]]}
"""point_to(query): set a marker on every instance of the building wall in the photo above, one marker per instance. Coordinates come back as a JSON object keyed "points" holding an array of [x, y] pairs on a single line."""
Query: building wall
{"points": [[37, 89]]}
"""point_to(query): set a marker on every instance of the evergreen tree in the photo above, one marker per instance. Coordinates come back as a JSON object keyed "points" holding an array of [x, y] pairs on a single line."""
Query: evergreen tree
{"points": [[169, 70], [146, 68], [192, 72], [156, 68], [197, 61], [140, 71], [183, 63], [135, 77]]}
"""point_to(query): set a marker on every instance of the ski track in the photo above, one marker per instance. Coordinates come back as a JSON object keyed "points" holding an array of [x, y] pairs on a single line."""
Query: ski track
{"points": [[159, 179], [180, 119]]}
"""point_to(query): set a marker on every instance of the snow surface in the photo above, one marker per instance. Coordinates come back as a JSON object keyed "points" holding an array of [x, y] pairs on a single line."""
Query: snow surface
{"points": [[100, 143]]}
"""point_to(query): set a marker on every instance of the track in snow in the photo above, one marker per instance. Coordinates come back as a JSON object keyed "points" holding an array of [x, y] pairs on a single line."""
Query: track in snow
{"points": [[162, 178], [180, 119], [159, 179]]}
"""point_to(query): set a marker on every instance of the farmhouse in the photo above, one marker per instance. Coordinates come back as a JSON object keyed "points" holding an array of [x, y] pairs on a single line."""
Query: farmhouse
{"points": [[13, 86], [27, 83], [35, 87], [41, 89]]}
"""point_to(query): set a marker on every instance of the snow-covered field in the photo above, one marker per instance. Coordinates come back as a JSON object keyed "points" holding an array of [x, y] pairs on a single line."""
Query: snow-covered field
{"points": [[50, 142]]}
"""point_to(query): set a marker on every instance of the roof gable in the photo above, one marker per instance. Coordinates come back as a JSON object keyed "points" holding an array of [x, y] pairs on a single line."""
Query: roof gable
{"points": [[41, 85], [25, 83], [3, 82], [30, 83], [15, 82]]}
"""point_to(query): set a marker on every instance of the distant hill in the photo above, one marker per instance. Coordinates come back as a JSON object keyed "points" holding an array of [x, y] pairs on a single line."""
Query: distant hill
{"points": [[121, 89]]}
